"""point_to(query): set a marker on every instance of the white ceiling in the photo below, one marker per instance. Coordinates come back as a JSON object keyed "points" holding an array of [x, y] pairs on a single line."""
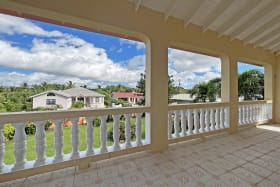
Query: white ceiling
{"points": [[255, 22]]}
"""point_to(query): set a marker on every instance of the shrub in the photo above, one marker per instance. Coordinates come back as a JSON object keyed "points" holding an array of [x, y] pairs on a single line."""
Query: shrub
{"points": [[48, 124], [122, 132], [96, 122], [78, 104], [30, 128], [8, 131]]}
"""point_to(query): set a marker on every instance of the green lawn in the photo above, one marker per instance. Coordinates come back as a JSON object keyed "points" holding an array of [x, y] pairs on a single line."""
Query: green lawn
{"points": [[9, 157]]}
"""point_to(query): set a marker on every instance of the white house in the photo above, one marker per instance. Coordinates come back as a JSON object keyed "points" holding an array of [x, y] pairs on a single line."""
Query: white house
{"points": [[65, 98]]}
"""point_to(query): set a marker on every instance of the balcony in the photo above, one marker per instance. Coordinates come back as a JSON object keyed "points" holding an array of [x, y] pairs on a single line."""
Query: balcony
{"points": [[229, 143], [248, 158]]}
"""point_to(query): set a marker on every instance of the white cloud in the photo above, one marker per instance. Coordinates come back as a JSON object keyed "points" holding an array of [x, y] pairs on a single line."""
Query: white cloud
{"points": [[66, 56], [191, 68], [129, 43], [15, 25], [137, 63]]}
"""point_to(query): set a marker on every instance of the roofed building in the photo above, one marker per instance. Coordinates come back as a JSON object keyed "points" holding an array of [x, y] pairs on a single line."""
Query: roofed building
{"points": [[65, 98], [130, 97]]}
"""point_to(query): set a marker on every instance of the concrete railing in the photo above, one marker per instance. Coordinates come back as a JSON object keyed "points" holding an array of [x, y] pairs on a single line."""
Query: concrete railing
{"points": [[188, 120], [58, 118], [250, 112]]}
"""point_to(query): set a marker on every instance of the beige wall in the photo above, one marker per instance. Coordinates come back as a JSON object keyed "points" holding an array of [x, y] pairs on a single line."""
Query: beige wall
{"points": [[120, 17], [40, 101]]}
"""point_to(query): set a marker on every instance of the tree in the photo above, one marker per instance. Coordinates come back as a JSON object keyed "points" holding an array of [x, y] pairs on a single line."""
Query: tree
{"points": [[140, 87], [251, 85], [70, 84], [207, 91]]}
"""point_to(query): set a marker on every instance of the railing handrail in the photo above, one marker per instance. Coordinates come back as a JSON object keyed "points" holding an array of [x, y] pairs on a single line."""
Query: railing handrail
{"points": [[197, 105], [254, 102], [17, 117]]}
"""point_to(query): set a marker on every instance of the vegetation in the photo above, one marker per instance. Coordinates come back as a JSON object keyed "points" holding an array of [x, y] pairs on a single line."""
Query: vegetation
{"points": [[250, 86]]}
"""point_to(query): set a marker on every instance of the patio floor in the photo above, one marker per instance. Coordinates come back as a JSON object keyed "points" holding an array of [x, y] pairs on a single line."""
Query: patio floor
{"points": [[248, 158]]}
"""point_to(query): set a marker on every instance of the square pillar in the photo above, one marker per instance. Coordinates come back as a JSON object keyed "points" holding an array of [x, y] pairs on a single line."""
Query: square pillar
{"points": [[157, 93]]}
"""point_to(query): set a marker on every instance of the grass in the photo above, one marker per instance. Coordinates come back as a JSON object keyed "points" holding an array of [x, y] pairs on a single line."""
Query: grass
{"points": [[9, 157]]}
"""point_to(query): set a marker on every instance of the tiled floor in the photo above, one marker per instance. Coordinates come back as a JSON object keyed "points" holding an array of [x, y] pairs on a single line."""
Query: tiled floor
{"points": [[249, 158]]}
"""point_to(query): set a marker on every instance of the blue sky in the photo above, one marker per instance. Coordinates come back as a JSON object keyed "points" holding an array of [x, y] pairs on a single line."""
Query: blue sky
{"points": [[34, 52]]}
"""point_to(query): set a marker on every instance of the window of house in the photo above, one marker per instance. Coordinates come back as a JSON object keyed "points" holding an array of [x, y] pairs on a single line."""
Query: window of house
{"points": [[250, 81], [51, 94], [97, 99], [193, 77], [51, 102]]}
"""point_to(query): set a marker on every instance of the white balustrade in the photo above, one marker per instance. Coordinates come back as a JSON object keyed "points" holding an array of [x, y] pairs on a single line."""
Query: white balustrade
{"points": [[60, 121], [19, 146], [197, 121], [75, 138], [40, 143], [253, 112]]}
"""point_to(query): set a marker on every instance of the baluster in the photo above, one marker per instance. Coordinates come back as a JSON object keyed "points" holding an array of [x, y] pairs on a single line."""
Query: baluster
{"points": [[265, 107], [58, 141], [169, 125], [116, 132], [75, 138], [40, 143], [196, 121], [202, 120], [212, 119], [176, 123], [222, 118], [183, 123], [217, 118], [207, 120], [255, 113], [190, 122], [90, 133], [227, 117], [138, 129], [2, 147], [244, 120], [103, 134], [250, 113], [239, 115], [260, 112], [127, 131], [19, 146]]}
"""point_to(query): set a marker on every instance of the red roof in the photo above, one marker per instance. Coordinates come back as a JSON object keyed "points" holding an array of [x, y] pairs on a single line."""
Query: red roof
{"points": [[127, 94]]}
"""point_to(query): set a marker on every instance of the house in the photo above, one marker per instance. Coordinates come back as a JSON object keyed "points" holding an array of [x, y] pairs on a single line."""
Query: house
{"points": [[65, 98], [130, 97], [181, 99]]}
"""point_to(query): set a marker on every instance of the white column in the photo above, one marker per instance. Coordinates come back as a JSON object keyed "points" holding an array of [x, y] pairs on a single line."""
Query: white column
{"points": [[190, 122], [103, 134], [58, 141], [138, 129], [75, 138], [176, 123], [116, 133], [40, 143], [127, 131], [239, 115], [227, 117], [217, 118], [201, 120], [244, 117], [19, 146], [183, 123], [2, 147], [169, 125], [90, 133], [247, 114], [207, 120]]}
